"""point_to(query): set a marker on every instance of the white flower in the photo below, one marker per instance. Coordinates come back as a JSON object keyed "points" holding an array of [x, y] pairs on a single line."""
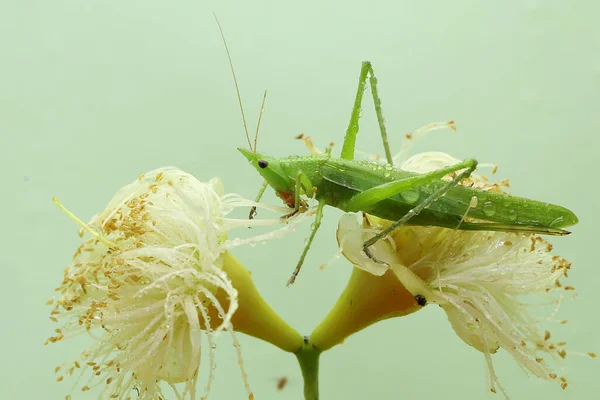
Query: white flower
{"points": [[144, 286], [483, 280]]}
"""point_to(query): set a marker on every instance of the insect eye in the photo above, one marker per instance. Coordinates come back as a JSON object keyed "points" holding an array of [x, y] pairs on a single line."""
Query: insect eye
{"points": [[421, 300], [262, 163]]}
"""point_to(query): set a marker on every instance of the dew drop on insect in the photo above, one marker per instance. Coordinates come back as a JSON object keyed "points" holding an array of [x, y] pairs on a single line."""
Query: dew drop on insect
{"points": [[489, 208], [512, 215], [556, 221], [474, 202], [410, 196]]}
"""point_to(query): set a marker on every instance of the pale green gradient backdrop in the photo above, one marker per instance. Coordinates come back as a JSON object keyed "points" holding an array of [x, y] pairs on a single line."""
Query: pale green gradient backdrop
{"points": [[92, 93]]}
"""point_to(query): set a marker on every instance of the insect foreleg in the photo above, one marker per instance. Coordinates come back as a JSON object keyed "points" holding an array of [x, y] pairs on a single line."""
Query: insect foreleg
{"points": [[314, 227], [420, 207], [259, 195], [297, 192], [302, 184], [352, 131]]}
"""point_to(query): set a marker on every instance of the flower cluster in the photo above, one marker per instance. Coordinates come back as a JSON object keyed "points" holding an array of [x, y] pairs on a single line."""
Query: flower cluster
{"points": [[486, 282], [150, 283]]}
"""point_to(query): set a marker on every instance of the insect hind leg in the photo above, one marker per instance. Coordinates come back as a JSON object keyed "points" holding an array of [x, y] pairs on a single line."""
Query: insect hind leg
{"points": [[352, 130], [471, 166], [379, 113]]}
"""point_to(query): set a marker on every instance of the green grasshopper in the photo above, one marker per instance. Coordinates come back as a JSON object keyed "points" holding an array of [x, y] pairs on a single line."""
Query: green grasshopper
{"points": [[393, 194]]}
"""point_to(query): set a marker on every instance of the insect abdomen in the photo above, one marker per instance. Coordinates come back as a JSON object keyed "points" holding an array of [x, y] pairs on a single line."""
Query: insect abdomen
{"points": [[346, 178]]}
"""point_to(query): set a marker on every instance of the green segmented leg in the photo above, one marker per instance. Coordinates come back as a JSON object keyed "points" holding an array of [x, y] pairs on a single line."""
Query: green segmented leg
{"points": [[376, 194], [380, 120], [297, 193], [416, 210], [259, 195], [302, 183], [350, 138], [313, 231]]}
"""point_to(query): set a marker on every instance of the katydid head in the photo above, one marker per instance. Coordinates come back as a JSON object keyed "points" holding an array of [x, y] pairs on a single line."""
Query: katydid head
{"points": [[270, 169]]}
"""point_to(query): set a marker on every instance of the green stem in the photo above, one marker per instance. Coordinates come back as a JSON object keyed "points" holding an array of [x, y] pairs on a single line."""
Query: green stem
{"points": [[308, 358]]}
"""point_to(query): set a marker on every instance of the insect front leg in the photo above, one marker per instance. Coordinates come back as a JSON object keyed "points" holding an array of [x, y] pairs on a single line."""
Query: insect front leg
{"points": [[470, 165], [350, 138], [302, 184], [313, 231], [259, 195]]}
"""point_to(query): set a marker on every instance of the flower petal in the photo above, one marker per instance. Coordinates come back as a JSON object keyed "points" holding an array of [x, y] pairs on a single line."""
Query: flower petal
{"points": [[351, 236]]}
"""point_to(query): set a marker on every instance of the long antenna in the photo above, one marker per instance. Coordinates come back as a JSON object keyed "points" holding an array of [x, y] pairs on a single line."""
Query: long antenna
{"points": [[262, 108], [237, 89]]}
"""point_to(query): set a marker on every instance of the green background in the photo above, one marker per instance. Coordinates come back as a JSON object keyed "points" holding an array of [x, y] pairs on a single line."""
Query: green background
{"points": [[92, 93]]}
